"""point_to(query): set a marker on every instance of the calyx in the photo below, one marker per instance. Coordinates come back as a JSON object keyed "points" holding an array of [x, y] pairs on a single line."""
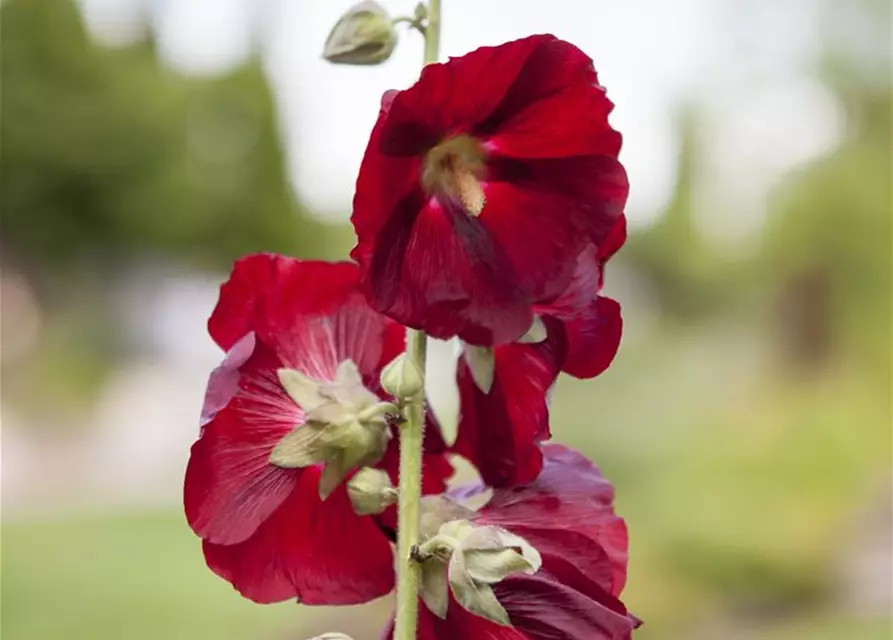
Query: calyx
{"points": [[346, 425], [468, 559]]}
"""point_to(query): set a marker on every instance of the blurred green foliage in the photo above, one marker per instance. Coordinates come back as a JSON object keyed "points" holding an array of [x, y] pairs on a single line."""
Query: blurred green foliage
{"points": [[108, 156], [110, 161], [760, 433]]}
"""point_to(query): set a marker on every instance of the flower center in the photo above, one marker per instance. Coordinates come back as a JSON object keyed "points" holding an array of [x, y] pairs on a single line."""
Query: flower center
{"points": [[454, 168]]}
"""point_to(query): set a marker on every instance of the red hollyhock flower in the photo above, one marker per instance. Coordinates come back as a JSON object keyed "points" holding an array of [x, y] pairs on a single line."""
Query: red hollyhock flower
{"points": [[474, 197], [304, 354], [504, 412], [567, 516], [591, 322]]}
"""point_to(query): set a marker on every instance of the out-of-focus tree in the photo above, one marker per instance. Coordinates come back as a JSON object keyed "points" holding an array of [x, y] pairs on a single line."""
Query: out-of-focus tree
{"points": [[689, 277], [108, 156], [111, 160], [828, 242]]}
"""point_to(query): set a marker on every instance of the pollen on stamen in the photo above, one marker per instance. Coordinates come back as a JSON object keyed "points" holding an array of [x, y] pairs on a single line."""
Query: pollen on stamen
{"points": [[453, 169], [468, 191]]}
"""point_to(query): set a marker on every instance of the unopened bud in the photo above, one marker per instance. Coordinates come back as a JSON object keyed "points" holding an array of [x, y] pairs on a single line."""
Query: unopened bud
{"points": [[371, 492], [402, 378], [364, 35]]}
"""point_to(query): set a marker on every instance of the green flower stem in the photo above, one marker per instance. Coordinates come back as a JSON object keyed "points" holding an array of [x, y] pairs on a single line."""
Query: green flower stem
{"points": [[409, 497], [411, 435], [432, 32]]}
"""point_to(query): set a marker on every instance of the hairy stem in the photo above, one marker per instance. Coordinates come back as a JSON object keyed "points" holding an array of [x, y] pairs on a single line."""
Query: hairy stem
{"points": [[410, 494], [411, 435]]}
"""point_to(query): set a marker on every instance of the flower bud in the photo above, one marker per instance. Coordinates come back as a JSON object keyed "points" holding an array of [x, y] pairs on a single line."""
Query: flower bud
{"points": [[363, 35], [402, 378], [371, 492]]}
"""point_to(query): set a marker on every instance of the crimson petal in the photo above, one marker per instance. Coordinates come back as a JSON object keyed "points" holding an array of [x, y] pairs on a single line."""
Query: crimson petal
{"points": [[570, 495], [540, 608], [230, 485], [545, 609], [460, 95], [318, 552], [442, 272], [310, 313], [592, 323], [499, 431]]}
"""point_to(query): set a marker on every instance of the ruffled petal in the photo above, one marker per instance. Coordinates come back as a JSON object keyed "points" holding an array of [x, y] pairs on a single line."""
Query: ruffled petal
{"points": [[594, 338], [321, 553], [592, 323], [230, 485], [223, 382], [460, 95], [586, 194], [570, 495], [549, 186], [544, 609], [499, 431], [612, 243], [550, 67], [530, 128], [310, 313]]}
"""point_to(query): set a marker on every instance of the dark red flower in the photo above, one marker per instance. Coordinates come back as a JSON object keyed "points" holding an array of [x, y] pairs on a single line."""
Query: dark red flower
{"points": [[567, 515], [480, 185], [503, 418], [288, 530]]}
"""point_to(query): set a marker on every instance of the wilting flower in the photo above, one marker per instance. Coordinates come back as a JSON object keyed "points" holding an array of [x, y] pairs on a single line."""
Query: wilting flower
{"points": [[481, 184], [291, 413], [545, 561], [504, 390]]}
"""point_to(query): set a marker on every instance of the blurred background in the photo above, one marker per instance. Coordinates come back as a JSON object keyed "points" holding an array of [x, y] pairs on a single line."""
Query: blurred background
{"points": [[746, 421]]}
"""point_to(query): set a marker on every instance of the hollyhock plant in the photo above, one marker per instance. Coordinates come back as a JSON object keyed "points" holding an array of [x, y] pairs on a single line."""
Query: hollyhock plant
{"points": [[541, 561], [504, 390], [295, 407], [480, 185], [488, 202]]}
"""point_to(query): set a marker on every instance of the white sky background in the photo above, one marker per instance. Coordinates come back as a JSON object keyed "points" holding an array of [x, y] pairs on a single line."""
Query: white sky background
{"points": [[746, 62]]}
